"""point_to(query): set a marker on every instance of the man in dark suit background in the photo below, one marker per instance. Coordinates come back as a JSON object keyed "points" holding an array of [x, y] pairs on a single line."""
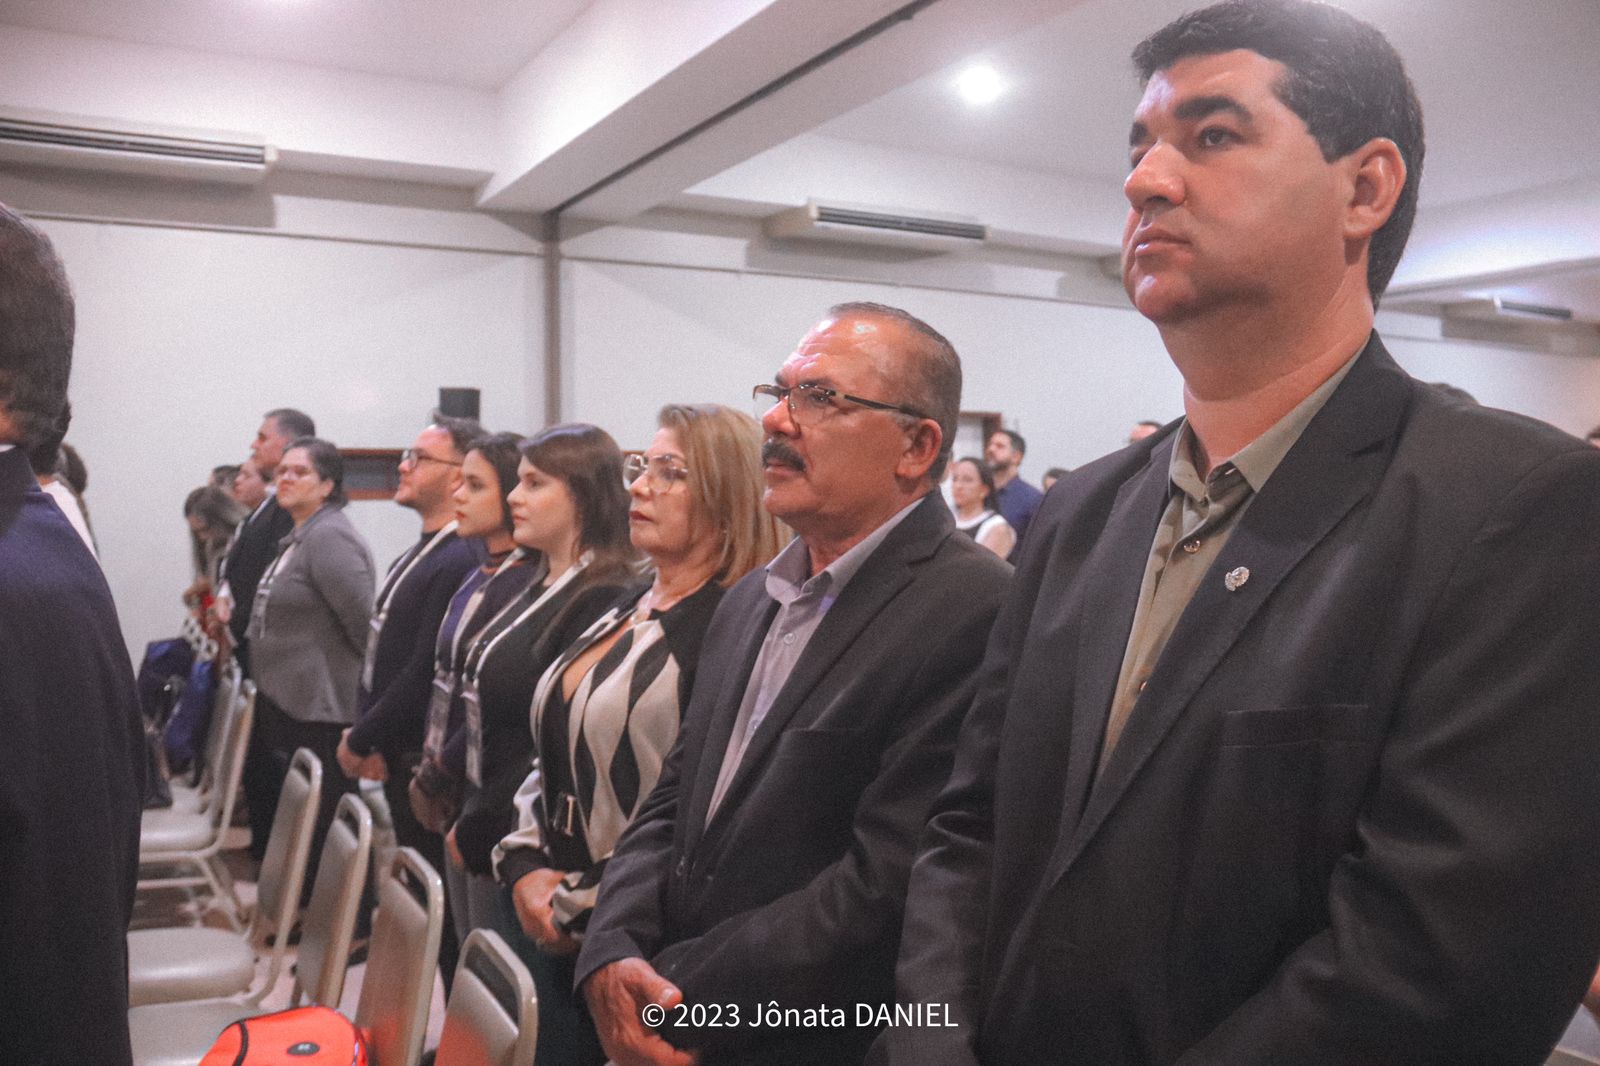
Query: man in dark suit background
{"points": [[255, 545], [1284, 746], [72, 786], [397, 676], [768, 867]]}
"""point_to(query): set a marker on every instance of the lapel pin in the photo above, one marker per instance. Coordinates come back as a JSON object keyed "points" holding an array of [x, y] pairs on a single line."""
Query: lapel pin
{"points": [[1234, 579]]}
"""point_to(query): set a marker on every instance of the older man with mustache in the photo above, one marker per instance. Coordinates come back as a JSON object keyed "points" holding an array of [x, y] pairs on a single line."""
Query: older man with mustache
{"points": [[752, 912]]}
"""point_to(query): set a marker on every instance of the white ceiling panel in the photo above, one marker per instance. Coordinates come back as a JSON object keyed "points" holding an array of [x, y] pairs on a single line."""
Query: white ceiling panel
{"points": [[474, 43], [1508, 91]]}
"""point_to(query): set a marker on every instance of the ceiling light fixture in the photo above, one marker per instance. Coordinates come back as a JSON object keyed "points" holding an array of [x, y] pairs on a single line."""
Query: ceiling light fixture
{"points": [[979, 85]]}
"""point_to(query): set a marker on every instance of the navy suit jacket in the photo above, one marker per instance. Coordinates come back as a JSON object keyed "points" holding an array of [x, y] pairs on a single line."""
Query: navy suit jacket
{"points": [[1353, 818], [793, 892], [71, 790]]}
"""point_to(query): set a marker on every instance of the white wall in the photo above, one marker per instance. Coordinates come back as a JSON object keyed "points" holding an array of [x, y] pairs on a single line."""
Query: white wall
{"points": [[1071, 378], [186, 336]]}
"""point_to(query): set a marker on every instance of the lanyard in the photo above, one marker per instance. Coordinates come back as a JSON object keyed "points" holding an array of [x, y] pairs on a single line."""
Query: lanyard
{"points": [[448, 661], [258, 610], [486, 643], [470, 698], [397, 576], [443, 690]]}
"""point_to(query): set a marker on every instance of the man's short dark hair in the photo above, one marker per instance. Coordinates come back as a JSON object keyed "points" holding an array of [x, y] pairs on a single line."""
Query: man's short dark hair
{"points": [[1018, 445], [291, 423], [1344, 79], [464, 432], [934, 386], [36, 328], [1594, 434]]}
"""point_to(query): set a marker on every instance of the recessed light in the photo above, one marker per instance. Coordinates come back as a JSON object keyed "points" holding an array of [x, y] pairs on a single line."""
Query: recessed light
{"points": [[980, 84]]}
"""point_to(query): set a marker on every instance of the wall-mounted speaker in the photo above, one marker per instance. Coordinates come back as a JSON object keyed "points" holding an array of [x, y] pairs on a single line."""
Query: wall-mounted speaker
{"points": [[458, 403]]}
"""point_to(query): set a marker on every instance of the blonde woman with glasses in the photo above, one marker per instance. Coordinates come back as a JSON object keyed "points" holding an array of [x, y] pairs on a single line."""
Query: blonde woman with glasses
{"points": [[606, 712]]}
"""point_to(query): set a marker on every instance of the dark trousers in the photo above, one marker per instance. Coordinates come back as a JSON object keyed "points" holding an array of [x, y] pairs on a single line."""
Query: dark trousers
{"points": [[272, 744], [410, 833], [567, 1035]]}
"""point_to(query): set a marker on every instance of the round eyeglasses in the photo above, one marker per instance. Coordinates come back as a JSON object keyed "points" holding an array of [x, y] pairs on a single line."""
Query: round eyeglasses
{"points": [[660, 472]]}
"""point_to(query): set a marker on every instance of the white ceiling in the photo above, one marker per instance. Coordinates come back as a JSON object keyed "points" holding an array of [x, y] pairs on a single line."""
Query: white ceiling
{"points": [[543, 92], [1509, 91], [473, 43]]}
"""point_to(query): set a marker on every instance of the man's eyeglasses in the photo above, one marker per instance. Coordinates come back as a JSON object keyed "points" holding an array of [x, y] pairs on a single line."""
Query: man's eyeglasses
{"points": [[809, 404], [660, 472], [411, 457]]}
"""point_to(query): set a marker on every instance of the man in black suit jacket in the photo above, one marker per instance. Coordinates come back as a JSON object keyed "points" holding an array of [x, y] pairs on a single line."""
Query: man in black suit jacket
{"points": [[72, 785], [767, 870], [255, 545], [1284, 747]]}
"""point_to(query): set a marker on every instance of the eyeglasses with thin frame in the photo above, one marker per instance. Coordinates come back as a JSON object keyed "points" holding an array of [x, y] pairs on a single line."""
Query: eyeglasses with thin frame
{"points": [[411, 457], [660, 472], [810, 403]]}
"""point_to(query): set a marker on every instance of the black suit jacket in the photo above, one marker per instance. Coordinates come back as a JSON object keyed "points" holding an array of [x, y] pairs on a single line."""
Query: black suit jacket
{"points": [[793, 892], [394, 711], [71, 790], [1353, 818], [253, 551]]}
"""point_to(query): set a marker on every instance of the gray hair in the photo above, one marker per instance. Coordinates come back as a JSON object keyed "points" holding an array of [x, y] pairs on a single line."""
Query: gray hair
{"points": [[932, 383]]}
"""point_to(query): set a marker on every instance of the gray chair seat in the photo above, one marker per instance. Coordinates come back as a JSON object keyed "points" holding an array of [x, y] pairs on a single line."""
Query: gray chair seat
{"points": [[179, 1034], [163, 830], [187, 963], [187, 800]]}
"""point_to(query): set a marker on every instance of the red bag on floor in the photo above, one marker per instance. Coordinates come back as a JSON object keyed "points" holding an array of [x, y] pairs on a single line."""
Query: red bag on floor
{"points": [[305, 1036]]}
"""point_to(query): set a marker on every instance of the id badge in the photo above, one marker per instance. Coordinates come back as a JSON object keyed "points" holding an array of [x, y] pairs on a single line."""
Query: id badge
{"points": [[438, 714], [374, 628], [474, 707], [257, 625]]}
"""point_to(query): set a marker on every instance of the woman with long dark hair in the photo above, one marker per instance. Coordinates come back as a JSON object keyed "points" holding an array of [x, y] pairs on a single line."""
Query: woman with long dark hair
{"points": [[570, 506]]}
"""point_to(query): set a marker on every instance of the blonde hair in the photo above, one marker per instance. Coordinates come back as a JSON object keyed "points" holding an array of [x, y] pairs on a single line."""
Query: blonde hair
{"points": [[722, 449]]}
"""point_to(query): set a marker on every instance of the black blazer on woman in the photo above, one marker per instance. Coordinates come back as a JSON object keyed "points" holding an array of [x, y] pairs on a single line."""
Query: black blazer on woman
{"points": [[506, 683]]}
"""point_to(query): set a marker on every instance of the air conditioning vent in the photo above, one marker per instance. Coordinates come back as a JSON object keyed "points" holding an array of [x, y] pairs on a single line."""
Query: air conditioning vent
{"points": [[859, 225], [1499, 309], [81, 143]]}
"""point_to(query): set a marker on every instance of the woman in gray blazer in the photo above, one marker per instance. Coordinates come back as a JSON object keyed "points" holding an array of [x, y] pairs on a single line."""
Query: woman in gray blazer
{"points": [[308, 628]]}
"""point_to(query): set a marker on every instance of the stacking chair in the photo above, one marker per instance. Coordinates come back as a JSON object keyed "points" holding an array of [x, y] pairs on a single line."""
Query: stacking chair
{"points": [[179, 1034], [493, 1016], [166, 965], [172, 840], [397, 990]]}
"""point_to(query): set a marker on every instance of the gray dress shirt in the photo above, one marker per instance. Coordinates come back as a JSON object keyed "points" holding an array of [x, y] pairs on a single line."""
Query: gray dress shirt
{"points": [[802, 603]]}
